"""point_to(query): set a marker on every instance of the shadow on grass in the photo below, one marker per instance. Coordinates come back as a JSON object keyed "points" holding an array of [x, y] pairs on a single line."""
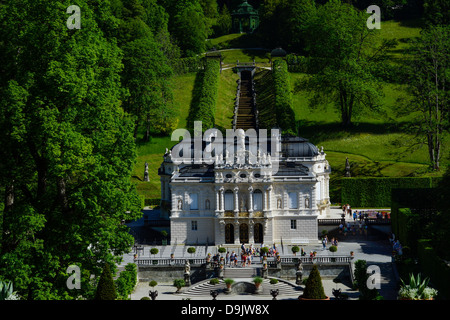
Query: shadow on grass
{"points": [[320, 131]]}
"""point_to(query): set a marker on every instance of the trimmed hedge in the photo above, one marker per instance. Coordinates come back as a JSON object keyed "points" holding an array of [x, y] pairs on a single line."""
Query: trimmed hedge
{"points": [[434, 267], [283, 98], [405, 224], [376, 192], [203, 107]]}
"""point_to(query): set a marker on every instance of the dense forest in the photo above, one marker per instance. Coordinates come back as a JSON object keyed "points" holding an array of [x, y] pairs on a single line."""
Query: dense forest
{"points": [[75, 99]]}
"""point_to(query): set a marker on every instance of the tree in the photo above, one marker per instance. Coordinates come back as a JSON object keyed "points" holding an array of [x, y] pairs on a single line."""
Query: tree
{"points": [[190, 28], [223, 23], [345, 52], [105, 288], [314, 287], [147, 72], [436, 12], [428, 85], [179, 283], [68, 148]]}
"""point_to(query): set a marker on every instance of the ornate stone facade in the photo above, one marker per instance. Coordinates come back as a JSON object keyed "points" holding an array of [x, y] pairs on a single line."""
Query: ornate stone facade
{"points": [[247, 197]]}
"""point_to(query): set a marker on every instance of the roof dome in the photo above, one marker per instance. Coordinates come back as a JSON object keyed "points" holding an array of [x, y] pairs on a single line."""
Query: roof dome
{"points": [[298, 147], [244, 8]]}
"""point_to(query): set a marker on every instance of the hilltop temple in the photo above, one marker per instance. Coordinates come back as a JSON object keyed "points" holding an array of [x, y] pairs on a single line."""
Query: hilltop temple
{"points": [[272, 191]]}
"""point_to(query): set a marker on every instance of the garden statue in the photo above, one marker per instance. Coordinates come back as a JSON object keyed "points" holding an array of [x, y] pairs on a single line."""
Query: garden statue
{"points": [[187, 273], [146, 178], [299, 273], [347, 168]]}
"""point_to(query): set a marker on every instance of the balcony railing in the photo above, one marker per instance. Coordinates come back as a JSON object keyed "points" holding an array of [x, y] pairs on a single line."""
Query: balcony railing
{"points": [[270, 261]]}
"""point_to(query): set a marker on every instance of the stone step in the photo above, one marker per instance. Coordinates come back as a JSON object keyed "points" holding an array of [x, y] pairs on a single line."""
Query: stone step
{"points": [[204, 288]]}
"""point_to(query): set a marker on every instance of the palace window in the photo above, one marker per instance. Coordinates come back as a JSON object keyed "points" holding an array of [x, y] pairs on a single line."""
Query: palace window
{"points": [[257, 200], [229, 201], [293, 224], [194, 225], [293, 200], [193, 201]]}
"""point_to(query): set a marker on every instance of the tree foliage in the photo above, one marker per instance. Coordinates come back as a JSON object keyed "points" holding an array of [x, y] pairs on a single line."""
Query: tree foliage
{"points": [[348, 53], [428, 82], [67, 149]]}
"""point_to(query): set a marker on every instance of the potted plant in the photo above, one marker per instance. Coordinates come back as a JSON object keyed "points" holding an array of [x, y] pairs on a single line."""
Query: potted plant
{"points": [[314, 288], [295, 249], [417, 289], [257, 281], [228, 283], [153, 293], [214, 281], [222, 250], [179, 283], [191, 250]]}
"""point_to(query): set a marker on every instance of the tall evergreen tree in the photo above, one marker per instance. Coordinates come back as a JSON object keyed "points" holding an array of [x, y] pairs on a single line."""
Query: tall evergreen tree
{"points": [[106, 289]]}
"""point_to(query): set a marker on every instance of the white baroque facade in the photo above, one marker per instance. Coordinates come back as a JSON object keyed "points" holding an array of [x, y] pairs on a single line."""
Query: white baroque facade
{"points": [[246, 197]]}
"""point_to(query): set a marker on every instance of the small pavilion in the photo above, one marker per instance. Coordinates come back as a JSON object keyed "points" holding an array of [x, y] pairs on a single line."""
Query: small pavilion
{"points": [[245, 18]]}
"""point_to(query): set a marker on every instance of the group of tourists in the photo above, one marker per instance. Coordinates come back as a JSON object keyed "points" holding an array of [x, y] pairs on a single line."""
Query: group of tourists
{"points": [[247, 255], [347, 227], [334, 242]]}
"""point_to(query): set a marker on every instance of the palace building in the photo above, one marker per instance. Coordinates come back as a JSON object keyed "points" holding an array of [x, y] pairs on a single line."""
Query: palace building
{"points": [[272, 191]]}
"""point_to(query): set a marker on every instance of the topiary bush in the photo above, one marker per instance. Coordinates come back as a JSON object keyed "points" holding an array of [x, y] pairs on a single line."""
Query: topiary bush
{"points": [[314, 287], [106, 289], [179, 283], [295, 249]]}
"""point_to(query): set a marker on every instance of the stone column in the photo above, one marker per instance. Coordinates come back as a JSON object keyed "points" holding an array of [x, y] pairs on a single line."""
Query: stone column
{"points": [[222, 200], [250, 200], [236, 232], [269, 198], [236, 200], [217, 208], [265, 199], [251, 229]]}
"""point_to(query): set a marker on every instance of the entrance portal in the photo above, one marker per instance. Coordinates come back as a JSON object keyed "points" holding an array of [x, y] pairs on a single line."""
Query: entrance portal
{"points": [[229, 233], [243, 233], [258, 233]]}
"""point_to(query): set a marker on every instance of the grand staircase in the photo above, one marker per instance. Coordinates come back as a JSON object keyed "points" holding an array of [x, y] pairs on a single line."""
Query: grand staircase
{"points": [[245, 112], [204, 288]]}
